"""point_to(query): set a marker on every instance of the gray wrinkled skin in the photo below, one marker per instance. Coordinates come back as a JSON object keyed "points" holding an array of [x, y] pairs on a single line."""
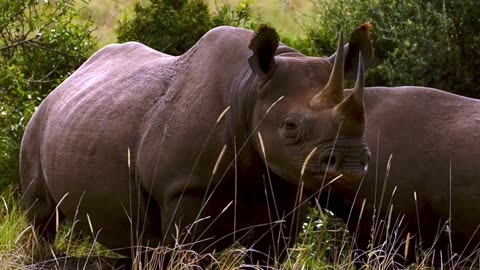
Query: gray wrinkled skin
{"points": [[163, 111], [432, 137]]}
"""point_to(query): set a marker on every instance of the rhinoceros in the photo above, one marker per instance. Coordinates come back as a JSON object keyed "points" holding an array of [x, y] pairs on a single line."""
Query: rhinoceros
{"points": [[423, 181], [219, 145]]}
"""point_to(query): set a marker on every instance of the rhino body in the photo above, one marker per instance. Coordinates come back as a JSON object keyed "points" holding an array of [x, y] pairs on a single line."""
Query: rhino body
{"points": [[138, 143], [429, 137]]}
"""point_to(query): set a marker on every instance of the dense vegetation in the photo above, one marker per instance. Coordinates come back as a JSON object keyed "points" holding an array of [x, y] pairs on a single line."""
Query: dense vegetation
{"points": [[40, 45], [430, 43]]}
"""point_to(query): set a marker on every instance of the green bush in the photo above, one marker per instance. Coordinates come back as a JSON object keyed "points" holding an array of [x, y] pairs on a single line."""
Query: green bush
{"points": [[429, 43], [40, 45], [174, 27], [168, 26], [240, 15]]}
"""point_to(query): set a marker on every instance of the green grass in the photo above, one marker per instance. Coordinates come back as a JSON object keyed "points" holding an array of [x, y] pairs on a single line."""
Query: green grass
{"points": [[20, 245], [15, 243]]}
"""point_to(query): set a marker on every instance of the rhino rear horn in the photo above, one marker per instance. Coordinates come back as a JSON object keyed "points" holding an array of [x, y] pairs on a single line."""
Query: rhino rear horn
{"points": [[264, 44], [351, 111], [332, 93]]}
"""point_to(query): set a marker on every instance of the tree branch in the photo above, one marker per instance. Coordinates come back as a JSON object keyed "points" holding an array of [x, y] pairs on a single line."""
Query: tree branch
{"points": [[18, 43]]}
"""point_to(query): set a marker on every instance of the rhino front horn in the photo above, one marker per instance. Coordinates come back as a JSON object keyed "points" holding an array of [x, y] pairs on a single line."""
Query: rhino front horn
{"points": [[332, 93], [351, 111]]}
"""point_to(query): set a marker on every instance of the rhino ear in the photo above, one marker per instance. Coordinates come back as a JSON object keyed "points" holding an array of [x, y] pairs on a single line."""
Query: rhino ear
{"points": [[360, 41], [264, 44]]}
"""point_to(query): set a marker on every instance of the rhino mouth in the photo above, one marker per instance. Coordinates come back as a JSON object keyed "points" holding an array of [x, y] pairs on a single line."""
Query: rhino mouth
{"points": [[327, 176], [325, 179], [321, 180]]}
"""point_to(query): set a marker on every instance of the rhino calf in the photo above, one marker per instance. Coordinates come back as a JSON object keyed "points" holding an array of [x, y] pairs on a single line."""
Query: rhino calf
{"points": [[424, 176], [222, 142]]}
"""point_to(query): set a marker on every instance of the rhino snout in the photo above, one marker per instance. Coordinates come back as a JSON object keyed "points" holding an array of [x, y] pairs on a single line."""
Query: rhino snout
{"points": [[356, 166]]}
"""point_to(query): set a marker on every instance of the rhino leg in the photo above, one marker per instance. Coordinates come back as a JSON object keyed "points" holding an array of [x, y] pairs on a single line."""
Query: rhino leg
{"points": [[266, 250], [41, 209], [268, 245], [202, 232], [39, 203]]}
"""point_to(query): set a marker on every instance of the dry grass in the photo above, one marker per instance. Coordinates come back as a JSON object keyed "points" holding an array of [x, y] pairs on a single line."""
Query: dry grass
{"points": [[324, 243]]}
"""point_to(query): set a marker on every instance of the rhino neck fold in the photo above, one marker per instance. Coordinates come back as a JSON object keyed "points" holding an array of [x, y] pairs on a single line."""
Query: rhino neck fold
{"points": [[239, 130]]}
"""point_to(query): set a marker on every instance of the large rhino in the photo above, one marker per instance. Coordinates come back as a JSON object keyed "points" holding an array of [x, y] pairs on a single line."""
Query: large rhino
{"points": [[423, 181], [220, 143]]}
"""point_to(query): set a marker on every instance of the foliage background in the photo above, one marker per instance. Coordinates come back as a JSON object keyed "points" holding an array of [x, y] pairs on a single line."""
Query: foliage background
{"points": [[429, 43], [40, 45]]}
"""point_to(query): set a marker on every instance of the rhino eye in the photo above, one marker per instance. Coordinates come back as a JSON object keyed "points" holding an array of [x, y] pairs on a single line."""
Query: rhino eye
{"points": [[290, 128]]}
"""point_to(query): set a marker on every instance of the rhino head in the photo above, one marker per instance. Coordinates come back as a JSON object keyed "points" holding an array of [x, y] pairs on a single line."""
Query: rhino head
{"points": [[311, 133]]}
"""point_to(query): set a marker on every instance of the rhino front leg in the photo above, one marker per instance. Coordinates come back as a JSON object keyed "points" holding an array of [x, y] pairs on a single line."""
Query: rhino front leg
{"points": [[268, 244], [191, 224], [268, 250], [268, 247]]}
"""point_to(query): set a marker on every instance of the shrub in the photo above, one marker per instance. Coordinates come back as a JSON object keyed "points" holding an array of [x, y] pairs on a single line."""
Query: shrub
{"points": [[429, 43], [241, 15], [174, 27], [168, 26], [40, 44]]}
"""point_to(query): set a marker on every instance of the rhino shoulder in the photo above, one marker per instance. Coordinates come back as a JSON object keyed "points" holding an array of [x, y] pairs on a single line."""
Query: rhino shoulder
{"points": [[125, 52], [228, 31], [131, 48], [225, 36]]}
